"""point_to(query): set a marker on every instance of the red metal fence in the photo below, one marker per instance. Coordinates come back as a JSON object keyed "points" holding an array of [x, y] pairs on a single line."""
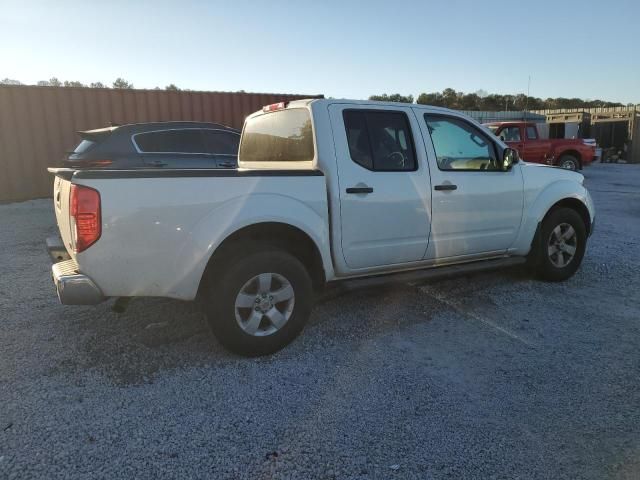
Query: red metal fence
{"points": [[39, 124]]}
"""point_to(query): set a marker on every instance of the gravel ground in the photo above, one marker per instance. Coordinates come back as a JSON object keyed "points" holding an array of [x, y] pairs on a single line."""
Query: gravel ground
{"points": [[488, 376]]}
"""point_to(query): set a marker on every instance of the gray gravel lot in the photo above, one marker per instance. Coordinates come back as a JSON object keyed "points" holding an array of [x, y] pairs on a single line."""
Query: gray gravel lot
{"points": [[488, 376]]}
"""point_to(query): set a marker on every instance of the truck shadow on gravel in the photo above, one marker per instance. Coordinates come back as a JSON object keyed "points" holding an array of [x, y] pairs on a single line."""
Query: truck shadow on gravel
{"points": [[157, 335]]}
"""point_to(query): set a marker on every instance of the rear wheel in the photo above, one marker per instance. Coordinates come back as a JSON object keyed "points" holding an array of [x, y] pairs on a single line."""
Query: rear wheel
{"points": [[569, 162], [560, 246], [258, 302]]}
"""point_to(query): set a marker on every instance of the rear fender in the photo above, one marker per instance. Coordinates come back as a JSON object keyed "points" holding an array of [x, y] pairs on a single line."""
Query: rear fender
{"points": [[244, 211]]}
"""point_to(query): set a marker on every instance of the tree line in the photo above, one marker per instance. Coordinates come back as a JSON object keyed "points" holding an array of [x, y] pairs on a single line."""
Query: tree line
{"points": [[481, 100], [55, 82], [450, 98]]}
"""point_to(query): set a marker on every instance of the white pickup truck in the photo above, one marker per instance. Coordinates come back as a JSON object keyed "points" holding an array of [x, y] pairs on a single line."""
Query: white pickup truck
{"points": [[326, 191]]}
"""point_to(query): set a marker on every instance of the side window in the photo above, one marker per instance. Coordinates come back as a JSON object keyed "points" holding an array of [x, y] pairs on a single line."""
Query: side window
{"points": [[380, 140], [510, 134], [532, 133], [221, 143], [171, 141], [459, 145]]}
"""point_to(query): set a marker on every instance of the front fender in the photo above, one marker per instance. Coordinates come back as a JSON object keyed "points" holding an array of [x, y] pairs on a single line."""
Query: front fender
{"points": [[539, 202], [243, 211]]}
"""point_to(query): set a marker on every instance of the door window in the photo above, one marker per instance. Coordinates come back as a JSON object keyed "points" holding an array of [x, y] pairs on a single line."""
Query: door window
{"points": [[221, 143], [510, 134], [532, 133], [380, 140], [459, 145], [171, 141]]}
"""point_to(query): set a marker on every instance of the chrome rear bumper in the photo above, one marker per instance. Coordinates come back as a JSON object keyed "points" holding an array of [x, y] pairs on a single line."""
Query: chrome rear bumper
{"points": [[73, 287]]}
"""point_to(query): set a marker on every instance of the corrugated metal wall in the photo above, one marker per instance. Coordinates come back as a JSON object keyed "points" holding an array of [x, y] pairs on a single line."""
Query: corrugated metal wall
{"points": [[39, 124]]}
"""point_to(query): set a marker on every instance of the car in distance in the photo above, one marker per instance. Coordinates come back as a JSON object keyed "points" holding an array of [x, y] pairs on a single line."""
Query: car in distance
{"points": [[327, 191], [570, 154], [157, 145]]}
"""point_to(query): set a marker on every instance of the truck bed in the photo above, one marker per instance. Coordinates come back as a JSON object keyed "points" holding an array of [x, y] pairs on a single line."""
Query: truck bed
{"points": [[159, 227]]}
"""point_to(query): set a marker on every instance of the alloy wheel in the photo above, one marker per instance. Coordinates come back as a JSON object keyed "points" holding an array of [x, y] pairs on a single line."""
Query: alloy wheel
{"points": [[562, 245], [264, 304]]}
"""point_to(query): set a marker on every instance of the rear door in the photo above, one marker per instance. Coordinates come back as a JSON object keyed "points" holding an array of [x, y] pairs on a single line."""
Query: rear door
{"points": [[223, 145], [383, 177]]}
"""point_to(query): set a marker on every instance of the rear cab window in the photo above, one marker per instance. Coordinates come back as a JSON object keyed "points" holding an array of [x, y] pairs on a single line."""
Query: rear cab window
{"points": [[282, 136]]}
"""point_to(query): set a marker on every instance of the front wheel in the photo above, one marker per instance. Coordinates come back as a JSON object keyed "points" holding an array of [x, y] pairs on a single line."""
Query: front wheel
{"points": [[561, 245], [569, 162], [259, 301]]}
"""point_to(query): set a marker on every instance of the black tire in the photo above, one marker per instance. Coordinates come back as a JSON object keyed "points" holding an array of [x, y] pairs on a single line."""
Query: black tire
{"points": [[540, 257], [224, 283], [569, 162]]}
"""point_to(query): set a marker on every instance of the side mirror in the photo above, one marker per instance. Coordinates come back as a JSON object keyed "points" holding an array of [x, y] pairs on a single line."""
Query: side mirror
{"points": [[509, 158]]}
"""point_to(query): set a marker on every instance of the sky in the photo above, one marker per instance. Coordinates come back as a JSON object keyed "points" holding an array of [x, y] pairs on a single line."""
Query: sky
{"points": [[342, 49]]}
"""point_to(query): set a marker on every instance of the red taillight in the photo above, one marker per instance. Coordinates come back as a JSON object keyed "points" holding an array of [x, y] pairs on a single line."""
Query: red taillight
{"points": [[84, 209], [274, 106]]}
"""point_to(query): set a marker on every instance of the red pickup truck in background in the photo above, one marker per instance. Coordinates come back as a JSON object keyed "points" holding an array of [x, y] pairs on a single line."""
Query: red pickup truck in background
{"points": [[571, 154]]}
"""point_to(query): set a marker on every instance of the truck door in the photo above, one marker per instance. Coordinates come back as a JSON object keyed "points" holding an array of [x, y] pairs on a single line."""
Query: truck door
{"points": [[385, 191], [525, 140], [476, 207], [536, 148]]}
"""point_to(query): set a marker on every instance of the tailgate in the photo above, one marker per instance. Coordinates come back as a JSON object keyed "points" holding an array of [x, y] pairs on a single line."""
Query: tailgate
{"points": [[61, 188]]}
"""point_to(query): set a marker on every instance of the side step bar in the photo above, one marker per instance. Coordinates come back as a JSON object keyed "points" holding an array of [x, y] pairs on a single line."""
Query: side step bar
{"points": [[430, 273]]}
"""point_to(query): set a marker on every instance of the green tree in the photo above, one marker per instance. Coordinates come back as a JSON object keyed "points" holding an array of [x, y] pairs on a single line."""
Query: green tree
{"points": [[73, 83], [434, 99], [97, 85], [481, 100], [171, 86], [395, 97], [122, 83], [450, 98]]}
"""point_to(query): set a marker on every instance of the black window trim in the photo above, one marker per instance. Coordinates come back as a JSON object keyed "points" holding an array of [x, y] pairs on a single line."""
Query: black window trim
{"points": [[142, 152], [483, 134], [382, 110]]}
